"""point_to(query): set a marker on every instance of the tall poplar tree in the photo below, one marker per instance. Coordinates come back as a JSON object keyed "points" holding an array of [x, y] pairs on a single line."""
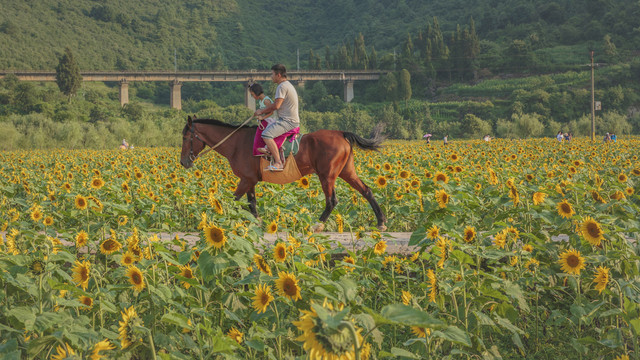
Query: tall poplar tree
{"points": [[68, 75]]}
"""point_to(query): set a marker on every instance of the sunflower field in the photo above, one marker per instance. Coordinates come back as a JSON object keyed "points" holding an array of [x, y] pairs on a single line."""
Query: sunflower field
{"points": [[519, 249]]}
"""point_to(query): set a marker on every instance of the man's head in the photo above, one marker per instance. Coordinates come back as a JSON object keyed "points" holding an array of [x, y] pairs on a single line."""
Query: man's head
{"points": [[279, 72]]}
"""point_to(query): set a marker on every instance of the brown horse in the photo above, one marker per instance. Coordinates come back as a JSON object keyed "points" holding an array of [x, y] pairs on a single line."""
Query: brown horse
{"points": [[328, 153]]}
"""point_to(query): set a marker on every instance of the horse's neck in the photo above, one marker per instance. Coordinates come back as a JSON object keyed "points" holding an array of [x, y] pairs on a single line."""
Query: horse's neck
{"points": [[229, 145]]}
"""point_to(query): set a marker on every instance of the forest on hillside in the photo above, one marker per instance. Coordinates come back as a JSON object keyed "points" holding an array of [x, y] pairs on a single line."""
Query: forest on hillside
{"points": [[509, 68]]}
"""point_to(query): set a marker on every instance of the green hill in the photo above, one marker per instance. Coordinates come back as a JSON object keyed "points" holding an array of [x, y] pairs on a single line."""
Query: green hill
{"points": [[215, 34]]}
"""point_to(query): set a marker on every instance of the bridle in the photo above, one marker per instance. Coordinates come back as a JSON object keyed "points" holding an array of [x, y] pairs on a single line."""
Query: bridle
{"points": [[192, 129]]}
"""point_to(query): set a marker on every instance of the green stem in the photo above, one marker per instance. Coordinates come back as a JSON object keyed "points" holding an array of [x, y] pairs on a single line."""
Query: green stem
{"points": [[153, 347], [354, 337]]}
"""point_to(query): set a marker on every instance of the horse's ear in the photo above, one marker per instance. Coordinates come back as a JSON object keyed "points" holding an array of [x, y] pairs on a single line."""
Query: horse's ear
{"points": [[189, 120], [195, 117]]}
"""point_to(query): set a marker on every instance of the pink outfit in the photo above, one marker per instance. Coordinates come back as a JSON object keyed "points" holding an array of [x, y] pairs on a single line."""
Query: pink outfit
{"points": [[258, 142]]}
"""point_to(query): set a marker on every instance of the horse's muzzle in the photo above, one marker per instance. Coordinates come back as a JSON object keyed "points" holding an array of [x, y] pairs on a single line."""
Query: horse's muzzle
{"points": [[186, 163]]}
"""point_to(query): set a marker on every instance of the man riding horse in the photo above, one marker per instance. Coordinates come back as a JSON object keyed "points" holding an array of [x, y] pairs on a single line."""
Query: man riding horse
{"points": [[286, 104]]}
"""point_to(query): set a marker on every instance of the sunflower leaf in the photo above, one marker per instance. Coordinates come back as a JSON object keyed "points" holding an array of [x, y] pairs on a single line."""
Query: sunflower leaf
{"points": [[407, 315]]}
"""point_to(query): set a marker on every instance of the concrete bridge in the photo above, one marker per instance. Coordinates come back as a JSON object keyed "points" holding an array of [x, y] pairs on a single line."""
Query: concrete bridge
{"points": [[176, 79]]}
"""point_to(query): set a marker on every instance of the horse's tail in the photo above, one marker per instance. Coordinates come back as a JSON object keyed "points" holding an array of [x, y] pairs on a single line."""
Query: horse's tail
{"points": [[373, 143]]}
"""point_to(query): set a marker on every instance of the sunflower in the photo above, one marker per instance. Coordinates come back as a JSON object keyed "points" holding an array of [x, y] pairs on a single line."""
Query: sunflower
{"points": [[477, 187], [280, 252], [127, 334], [262, 264], [406, 297], [381, 181], [433, 232], [618, 195], [262, 298], [81, 239], [340, 223], [419, 331], [215, 236], [597, 197], [622, 178], [538, 198], [440, 177], [445, 249], [303, 183], [443, 198], [629, 191], [532, 265], [128, 258], [349, 260], [36, 267], [324, 342], [86, 301], [136, 278], [433, 285], [48, 221], [122, 220], [500, 240], [81, 274], [565, 210], [103, 345], [109, 246], [591, 231], [36, 214], [287, 286], [404, 174], [527, 248], [186, 272], [601, 278], [380, 247], [97, 183], [236, 335], [272, 227], [469, 234], [63, 352], [571, 262]]}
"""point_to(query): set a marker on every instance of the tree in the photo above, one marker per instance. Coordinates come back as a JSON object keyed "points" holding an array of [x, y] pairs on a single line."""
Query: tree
{"points": [[405, 86], [68, 75]]}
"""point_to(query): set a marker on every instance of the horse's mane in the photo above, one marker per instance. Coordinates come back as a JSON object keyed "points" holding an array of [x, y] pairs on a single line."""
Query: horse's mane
{"points": [[220, 123], [215, 122]]}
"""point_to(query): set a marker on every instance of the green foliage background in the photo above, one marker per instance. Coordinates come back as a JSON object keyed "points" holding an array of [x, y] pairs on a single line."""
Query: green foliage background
{"points": [[472, 67]]}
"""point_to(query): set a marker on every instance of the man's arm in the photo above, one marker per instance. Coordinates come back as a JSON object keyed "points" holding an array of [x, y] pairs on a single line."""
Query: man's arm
{"points": [[271, 108]]}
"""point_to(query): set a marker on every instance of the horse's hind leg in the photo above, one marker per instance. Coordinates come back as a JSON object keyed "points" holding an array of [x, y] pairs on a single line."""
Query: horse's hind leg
{"points": [[349, 175], [328, 187]]}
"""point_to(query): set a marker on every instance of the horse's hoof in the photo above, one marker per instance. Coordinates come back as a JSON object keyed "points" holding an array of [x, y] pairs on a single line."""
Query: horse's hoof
{"points": [[317, 227], [382, 227]]}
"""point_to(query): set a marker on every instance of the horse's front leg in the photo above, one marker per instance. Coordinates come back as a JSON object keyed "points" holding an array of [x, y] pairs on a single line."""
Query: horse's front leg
{"points": [[328, 187], [247, 187]]}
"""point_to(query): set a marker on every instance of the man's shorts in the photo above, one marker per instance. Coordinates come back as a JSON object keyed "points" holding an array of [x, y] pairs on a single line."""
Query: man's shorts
{"points": [[278, 128]]}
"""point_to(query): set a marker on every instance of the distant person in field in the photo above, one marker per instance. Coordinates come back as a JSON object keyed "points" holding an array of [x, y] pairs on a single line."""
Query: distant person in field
{"points": [[614, 138], [266, 119], [124, 145], [559, 137], [487, 138], [607, 138], [445, 140], [286, 104]]}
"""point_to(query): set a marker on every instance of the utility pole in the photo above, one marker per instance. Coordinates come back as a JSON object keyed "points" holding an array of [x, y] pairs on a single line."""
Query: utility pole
{"points": [[593, 104], [175, 61], [298, 55]]}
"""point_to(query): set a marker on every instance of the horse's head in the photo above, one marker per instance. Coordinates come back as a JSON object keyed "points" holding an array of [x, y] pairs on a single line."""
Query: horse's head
{"points": [[192, 145]]}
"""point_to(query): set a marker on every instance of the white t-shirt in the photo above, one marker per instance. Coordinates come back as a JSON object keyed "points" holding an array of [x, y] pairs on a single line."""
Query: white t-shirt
{"points": [[289, 109]]}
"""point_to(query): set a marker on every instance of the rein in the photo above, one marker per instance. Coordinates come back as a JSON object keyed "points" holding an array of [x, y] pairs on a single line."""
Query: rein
{"points": [[193, 134]]}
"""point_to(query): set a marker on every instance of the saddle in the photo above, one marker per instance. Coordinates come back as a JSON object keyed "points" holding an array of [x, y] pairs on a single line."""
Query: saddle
{"points": [[288, 150]]}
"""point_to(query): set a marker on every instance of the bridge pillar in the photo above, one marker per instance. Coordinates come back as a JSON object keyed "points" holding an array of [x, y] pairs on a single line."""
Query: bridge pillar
{"points": [[249, 101], [301, 84], [176, 97], [348, 91], [124, 92]]}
